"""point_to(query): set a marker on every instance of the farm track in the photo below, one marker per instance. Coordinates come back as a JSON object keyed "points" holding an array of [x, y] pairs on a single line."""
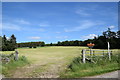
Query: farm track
{"points": [[24, 72], [46, 64], [48, 71]]}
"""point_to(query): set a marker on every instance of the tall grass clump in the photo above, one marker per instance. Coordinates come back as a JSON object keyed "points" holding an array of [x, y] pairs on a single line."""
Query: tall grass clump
{"points": [[9, 68], [97, 65]]}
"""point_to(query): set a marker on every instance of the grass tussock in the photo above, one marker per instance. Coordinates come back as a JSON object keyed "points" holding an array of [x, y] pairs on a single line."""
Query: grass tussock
{"points": [[9, 68], [101, 65]]}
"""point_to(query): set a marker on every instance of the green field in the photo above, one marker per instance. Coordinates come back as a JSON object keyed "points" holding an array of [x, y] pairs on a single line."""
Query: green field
{"points": [[48, 62]]}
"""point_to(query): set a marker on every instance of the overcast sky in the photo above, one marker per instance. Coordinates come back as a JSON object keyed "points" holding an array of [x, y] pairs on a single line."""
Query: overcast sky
{"points": [[58, 21]]}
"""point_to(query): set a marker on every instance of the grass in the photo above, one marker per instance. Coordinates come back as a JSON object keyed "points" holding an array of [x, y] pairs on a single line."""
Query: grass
{"points": [[78, 69], [10, 67], [36, 72], [47, 56]]}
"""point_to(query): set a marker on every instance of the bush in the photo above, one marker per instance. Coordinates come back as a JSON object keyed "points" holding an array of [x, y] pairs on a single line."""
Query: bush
{"points": [[34, 47], [30, 46]]}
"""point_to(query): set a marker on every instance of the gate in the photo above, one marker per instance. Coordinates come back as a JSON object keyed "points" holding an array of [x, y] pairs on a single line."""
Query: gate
{"points": [[90, 52]]}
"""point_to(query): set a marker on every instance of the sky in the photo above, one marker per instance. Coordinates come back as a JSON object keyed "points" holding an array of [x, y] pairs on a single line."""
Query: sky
{"points": [[57, 21]]}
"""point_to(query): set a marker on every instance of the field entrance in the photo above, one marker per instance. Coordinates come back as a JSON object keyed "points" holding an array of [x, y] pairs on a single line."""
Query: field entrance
{"points": [[89, 54], [46, 62], [52, 62]]}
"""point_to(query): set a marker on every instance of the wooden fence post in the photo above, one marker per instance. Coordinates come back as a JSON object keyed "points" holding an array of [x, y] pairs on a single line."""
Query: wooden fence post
{"points": [[90, 52], [83, 55], [109, 55], [103, 52], [16, 55], [93, 53]]}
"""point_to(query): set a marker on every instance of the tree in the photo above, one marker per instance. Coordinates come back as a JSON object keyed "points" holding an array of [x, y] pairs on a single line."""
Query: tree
{"points": [[4, 43], [0, 43], [42, 44], [118, 34], [109, 34], [51, 44], [12, 43], [8, 45], [59, 43], [31, 44]]}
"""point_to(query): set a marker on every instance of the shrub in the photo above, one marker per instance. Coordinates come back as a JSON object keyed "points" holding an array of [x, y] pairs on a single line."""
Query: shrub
{"points": [[34, 47], [30, 46]]}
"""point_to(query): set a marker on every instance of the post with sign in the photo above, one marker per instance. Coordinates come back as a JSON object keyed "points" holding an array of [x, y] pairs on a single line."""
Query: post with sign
{"points": [[90, 45]]}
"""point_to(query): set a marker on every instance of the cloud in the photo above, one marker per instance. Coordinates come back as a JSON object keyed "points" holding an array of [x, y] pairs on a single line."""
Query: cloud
{"points": [[35, 38], [82, 12], [21, 21], [90, 36], [111, 27], [10, 26], [8, 38], [62, 37], [83, 25]]}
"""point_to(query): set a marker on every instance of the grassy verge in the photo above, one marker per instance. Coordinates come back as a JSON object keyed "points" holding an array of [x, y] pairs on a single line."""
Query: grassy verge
{"points": [[78, 69], [9, 68]]}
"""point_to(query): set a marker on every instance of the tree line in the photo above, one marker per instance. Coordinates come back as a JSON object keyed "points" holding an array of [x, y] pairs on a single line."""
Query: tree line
{"points": [[100, 42], [8, 44], [31, 44]]}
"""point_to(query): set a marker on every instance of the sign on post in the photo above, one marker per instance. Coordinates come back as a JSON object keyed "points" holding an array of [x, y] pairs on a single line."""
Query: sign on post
{"points": [[90, 45]]}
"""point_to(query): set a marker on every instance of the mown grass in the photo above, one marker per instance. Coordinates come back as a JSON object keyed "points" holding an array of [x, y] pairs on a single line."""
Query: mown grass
{"points": [[78, 69], [9, 68]]}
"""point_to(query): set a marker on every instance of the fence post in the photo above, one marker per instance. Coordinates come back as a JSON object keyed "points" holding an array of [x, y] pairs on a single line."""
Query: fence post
{"points": [[109, 51], [90, 52], [93, 53], [103, 52], [16, 55], [83, 55], [109, 55]]}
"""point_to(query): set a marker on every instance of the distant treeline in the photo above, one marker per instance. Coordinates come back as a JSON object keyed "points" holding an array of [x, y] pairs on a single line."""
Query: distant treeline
{"points": [[100, 41], [31, 44], [8, 44]]}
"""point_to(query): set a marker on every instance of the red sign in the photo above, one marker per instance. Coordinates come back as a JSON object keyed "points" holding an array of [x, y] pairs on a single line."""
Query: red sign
{"points": [[90, 45]]}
